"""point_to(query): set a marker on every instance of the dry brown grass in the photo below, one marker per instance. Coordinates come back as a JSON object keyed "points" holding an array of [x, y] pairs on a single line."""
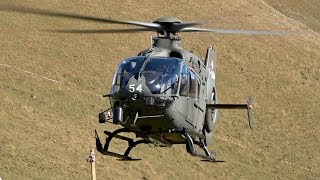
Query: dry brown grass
{"points": [[47, 126]]}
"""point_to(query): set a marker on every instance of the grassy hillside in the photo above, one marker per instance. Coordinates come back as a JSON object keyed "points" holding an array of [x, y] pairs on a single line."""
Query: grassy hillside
{"points": [[50, 87], [305, 11]]}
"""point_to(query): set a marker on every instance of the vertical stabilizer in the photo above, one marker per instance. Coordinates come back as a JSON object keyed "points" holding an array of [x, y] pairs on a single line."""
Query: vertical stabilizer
{"points": [[210, 62]]}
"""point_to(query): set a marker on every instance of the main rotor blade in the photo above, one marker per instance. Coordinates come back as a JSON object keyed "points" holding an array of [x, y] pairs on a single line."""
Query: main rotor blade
{"points": [[245, 32], [45, 12], [89, 31]]}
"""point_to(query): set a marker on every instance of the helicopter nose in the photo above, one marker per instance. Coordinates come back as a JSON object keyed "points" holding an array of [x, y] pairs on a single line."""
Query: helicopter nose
{"points": [[135, 96]]}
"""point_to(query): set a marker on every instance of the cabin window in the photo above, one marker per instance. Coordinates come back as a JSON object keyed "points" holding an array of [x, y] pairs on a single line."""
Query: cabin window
{"points": [[192, 84], [199, 88], [184, 81]]}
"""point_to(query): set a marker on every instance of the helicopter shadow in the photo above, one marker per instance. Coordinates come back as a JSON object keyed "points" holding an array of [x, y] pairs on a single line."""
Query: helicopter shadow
{"points": [[132, 159], [211, 161]]}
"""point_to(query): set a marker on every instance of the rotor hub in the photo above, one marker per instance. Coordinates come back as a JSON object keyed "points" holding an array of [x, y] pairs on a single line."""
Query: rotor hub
{"points": [[167, 19]]}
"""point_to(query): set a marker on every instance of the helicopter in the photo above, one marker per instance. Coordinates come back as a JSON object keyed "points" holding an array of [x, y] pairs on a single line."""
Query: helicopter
{"points": [[165, 95]]}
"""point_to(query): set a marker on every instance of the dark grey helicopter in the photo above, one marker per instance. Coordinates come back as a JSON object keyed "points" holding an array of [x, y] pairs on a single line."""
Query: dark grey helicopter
{"points": [[165, 95]]}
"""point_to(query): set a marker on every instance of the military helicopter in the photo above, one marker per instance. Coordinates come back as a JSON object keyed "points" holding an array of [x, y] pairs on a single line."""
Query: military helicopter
{"points": [[165, 94]]}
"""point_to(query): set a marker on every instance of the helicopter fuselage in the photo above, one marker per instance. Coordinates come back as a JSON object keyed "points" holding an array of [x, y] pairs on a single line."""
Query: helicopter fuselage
{"points": [[162, 92]]}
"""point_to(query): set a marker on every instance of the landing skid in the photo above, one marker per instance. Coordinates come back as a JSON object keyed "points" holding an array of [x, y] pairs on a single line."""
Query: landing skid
{"points": [[190, 146], [131, 144]]}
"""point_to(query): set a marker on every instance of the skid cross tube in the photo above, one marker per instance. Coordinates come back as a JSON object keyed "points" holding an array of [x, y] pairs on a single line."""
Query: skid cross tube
{"points": [[133, 144], [115, 134]]}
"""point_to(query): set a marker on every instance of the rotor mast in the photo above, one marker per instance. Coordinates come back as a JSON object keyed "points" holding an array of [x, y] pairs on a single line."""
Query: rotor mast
{"points": [[168, 35]]}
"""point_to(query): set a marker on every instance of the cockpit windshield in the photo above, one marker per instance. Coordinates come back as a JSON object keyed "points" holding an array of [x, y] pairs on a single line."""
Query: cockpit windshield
{"points": [[160, 75]]}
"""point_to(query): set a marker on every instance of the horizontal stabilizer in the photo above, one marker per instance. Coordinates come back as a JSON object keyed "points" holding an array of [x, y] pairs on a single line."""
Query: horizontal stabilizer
{"points": [[247, 106]]}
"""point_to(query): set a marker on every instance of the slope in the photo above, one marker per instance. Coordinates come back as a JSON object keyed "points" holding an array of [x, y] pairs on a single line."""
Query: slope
{"points": [[304, 11], [50, 86]]}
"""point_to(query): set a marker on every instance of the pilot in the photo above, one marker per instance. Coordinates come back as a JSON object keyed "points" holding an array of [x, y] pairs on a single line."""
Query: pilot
{"points": [[129, 71], [169, 79]]}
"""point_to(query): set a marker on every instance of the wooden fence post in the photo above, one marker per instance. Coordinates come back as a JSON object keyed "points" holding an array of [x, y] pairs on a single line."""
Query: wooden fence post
{"points": [[92, 161]]}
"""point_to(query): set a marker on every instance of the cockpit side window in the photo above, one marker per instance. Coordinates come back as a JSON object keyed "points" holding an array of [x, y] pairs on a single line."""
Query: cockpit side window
{"points": [[116, 80], [117, 77]]}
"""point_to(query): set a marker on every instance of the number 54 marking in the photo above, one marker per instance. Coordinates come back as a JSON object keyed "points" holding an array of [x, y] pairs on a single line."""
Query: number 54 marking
{"points": [[133, 88]]}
